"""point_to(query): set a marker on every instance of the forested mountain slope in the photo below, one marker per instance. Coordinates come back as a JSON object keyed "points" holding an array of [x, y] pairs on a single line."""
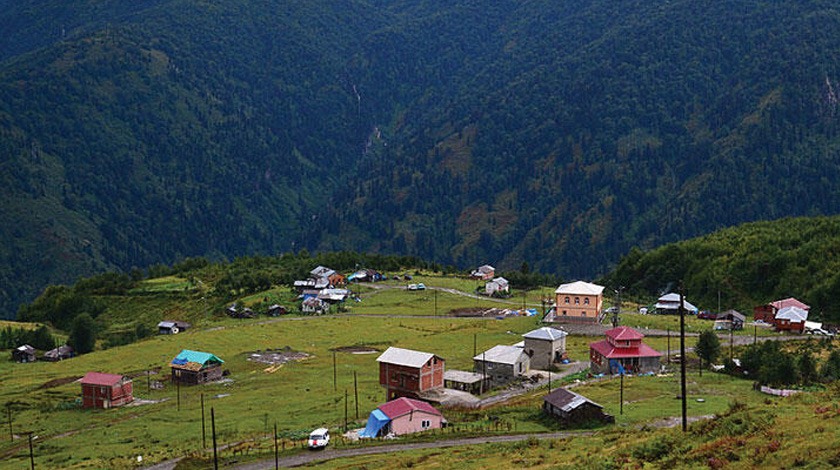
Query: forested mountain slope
{"points": [[554, 132]]}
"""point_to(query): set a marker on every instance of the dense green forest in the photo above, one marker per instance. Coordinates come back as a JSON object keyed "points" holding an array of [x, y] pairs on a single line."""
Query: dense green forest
{"points": [[556, 133], [744, 266]]}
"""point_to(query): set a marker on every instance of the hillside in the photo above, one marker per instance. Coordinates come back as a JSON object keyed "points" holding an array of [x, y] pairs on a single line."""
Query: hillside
{"points": [[745, 266], [559, 134]]}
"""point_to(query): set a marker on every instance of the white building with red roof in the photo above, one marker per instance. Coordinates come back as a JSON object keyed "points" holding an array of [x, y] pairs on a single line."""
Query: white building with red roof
{"points": [[622, 351]]}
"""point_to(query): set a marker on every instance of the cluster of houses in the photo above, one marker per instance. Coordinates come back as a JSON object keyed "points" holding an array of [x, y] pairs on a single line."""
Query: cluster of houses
{"points": [[27, 353], [494, 286]]}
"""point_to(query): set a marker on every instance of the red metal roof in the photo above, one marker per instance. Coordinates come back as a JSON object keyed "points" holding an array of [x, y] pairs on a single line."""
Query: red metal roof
{"points": [[790, 302], [624, 333], [607, 350], [101, 378], [402, 406]]}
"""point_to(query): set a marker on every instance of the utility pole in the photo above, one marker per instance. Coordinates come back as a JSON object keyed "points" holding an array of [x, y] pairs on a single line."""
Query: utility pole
{"points": [[213, 428], [276, 456], [31, 452], [356, 392], [682, 361]]}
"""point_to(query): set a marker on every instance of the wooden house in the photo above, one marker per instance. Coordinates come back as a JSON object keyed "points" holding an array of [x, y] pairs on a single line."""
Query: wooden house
{"points": [[571, 408], [172, 327], [24, 353], [195, 367], [669, 304], [402, 416], [767, 313], [100, 390], [622, 352], [60, 353], [484, 273], [577, 302], [276, 310], [407, 373], [545, 346], [730, 320], [501, 364], [791, 319]]}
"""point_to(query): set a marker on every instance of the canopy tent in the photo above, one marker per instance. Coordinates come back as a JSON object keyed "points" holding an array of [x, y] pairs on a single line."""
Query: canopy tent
{"points": [[376, 422]]}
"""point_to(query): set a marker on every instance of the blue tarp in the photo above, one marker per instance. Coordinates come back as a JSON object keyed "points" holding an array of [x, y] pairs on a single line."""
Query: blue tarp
{"points": [[617, 367], [376, 421]]}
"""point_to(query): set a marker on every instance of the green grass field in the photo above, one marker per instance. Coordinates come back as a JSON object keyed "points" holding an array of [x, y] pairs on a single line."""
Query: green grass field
{"points": [[299, 396]]}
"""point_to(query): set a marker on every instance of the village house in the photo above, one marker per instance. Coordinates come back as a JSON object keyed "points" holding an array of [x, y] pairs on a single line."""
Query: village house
{"points": [[408, 373], [501, 364], [730, 320], [669, 304], [484, 273], [767, 313], [577, 302], [276, 310], [314, 305], [791, 319], [195, 367], [100, 390], [571, 408], [172, 327], [622, 352], [24, 353], [545, 346], [497, 286], [402, 416], [60, 353]]}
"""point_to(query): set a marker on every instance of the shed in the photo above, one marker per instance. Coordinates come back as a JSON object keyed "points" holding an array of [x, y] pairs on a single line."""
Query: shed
{"points": [[669, 304], [172, 327], [60, 353], [572, 408], [101, 390], [463, 380], [24, 353], [195, 367], [730, 320], [497, 285]]}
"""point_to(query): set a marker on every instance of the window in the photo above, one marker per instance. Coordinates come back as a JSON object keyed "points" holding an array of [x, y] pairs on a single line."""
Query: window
{"points": [[564, 313], [583, 314], [425, 424], [586, 301], [577, 300], [567, 299]]}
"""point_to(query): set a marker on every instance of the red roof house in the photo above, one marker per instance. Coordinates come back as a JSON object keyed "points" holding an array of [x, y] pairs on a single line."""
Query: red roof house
{"points": [[622, 350], [407, 373], [100, 390]]}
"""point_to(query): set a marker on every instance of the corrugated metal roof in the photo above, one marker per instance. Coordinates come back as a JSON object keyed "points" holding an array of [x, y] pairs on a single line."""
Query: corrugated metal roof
{"points": [[403, 406], [501, 354], [792, 313], [580, 287], [198, 357], [101, 378], [567, 400], [405, 357], [546, 333]]}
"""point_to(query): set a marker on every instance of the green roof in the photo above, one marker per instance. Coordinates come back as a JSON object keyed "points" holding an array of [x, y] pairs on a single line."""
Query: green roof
{"points": [[202, 358]]}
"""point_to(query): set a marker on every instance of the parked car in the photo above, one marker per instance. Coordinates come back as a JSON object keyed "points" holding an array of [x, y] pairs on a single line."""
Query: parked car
{"points": [[319, 438], [420, 286], [707, 315]]}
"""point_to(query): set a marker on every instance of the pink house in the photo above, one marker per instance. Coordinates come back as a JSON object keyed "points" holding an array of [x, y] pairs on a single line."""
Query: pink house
{"points": [[402, 416]]}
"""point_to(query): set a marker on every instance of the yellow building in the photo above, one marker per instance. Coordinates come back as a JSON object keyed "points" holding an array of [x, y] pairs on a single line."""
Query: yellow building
{"points": [[577, 302]]}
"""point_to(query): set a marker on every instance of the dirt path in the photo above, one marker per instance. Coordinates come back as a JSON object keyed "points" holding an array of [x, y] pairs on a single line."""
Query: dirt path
{"points": [[304, 458]]}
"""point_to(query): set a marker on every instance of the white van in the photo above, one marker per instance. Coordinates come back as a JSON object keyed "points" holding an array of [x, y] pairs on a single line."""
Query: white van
{"points": [[319, 438]]}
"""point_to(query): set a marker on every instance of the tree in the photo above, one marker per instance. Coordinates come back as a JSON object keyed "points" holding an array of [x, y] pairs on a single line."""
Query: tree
{"points": [[807, 368], [83, 334], [708, 346], [831, 369]]}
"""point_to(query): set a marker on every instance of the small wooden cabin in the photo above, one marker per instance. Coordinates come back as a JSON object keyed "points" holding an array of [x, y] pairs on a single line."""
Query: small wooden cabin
{"points": [[195, 367]]}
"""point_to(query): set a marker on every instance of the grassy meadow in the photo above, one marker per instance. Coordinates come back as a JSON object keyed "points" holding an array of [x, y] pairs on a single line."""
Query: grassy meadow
{"points": [[166, 423]]}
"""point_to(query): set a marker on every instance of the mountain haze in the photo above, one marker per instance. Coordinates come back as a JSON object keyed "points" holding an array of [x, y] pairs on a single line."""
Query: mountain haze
{"points": [[558, 133]]}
